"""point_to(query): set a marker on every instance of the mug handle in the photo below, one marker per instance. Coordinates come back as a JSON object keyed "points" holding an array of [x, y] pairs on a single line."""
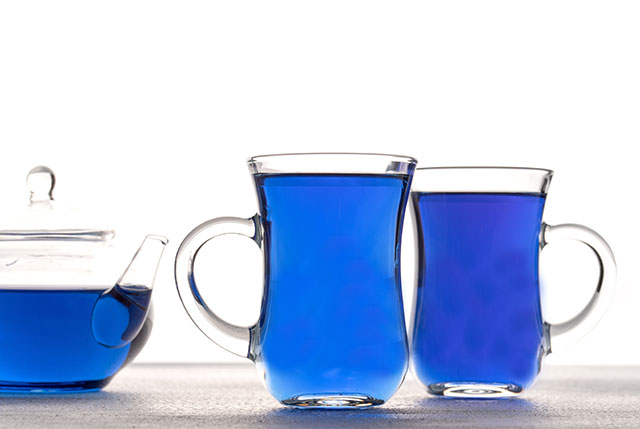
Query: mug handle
{"points": [[563, 334], [236, 339]]}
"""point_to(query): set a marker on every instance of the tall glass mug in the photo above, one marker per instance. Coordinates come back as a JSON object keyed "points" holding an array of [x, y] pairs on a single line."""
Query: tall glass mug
{"points": [[477, 327], [331, 330]]}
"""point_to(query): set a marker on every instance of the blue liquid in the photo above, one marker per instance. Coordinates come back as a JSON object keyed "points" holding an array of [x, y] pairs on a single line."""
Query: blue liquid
{"points": [[119, 314], [47, 341], [332, 320], [477, 315]]}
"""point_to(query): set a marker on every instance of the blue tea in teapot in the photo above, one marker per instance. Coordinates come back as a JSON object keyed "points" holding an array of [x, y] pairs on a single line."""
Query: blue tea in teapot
{"points": [[64, 325], [50, 338]]}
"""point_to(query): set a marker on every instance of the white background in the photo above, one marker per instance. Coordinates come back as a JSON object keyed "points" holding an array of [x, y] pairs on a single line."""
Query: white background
{"points": [[147, 111]]}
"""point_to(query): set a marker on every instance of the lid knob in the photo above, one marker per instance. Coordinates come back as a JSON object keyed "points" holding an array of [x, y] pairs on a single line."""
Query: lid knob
{"points": [[41, 182]]}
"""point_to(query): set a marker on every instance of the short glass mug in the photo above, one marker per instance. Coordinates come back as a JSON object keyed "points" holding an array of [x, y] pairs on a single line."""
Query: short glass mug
{"points": [[477, 328], [331, 331]]}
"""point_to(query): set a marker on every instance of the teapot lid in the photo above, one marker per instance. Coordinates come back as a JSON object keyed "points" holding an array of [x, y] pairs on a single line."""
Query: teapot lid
{"points": [[45, 220]]}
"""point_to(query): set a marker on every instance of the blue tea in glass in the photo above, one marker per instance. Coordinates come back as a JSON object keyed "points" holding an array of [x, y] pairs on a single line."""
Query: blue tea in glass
{"points": [[478, 313], [477, 326], [332, 320], [331, 331]]}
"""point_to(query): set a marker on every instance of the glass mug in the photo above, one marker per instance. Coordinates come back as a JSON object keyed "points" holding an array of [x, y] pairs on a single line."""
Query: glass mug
{"points": [[331, 331], [477, 328]]}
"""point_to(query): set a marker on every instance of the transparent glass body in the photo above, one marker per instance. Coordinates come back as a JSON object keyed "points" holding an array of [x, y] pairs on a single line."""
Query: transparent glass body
{"points": [[67, 321], [331, 330], [477, 328]]}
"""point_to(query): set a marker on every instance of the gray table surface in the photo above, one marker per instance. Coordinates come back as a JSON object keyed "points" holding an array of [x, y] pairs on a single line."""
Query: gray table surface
{"points": [[233, 396]]}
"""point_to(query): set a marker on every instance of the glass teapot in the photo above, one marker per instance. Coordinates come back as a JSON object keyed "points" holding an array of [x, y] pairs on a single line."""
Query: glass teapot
{"points": [[66, 324]]}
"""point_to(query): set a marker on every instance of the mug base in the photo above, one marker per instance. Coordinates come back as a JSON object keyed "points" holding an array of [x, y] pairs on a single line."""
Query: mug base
{"points": [[52, 388], [332, 401], [470, 390]]}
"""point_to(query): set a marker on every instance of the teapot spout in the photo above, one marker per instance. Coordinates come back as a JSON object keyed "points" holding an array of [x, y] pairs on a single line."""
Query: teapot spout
{"points": [[141, 272], [120, 313]]}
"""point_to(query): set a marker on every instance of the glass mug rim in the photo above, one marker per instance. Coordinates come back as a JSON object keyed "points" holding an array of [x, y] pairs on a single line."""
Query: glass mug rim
{"points": [[481, 179], [485, 167], [331, 163]]}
